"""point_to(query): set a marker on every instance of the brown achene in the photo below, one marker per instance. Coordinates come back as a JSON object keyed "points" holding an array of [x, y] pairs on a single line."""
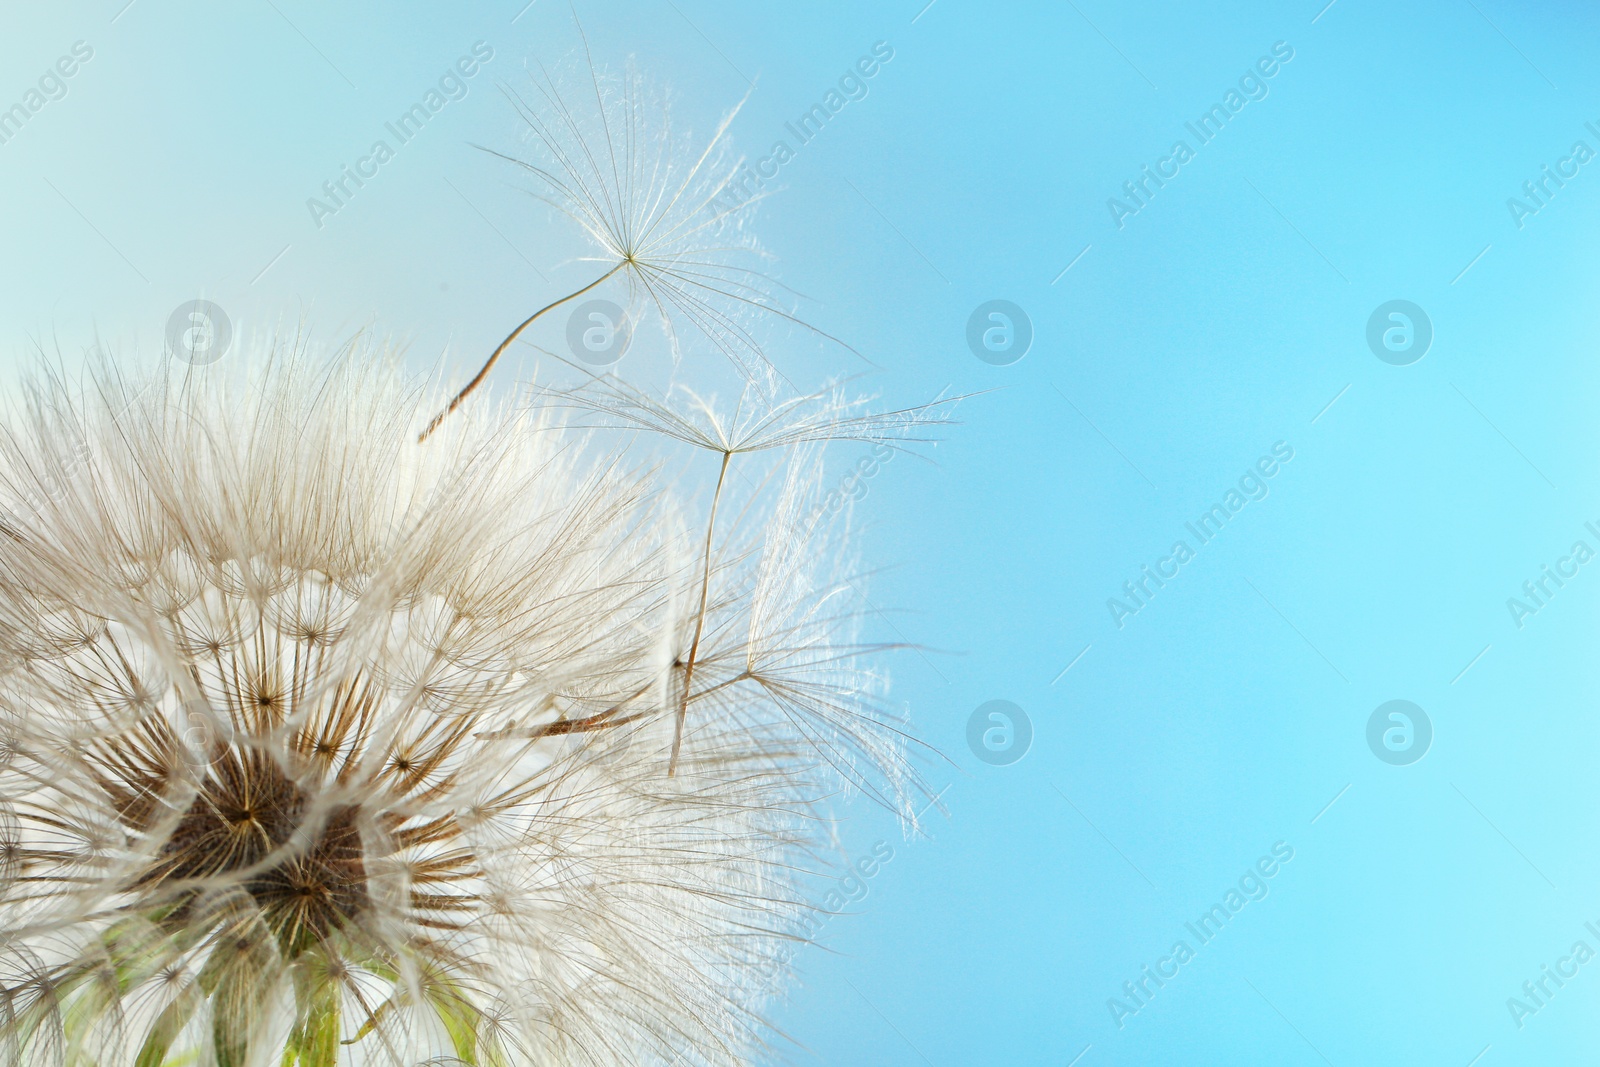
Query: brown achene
{"points": [[305, 869]]}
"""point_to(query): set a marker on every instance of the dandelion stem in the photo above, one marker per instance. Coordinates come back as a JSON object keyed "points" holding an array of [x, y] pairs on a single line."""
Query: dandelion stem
{"points": [[700, 619], [495, 357]]}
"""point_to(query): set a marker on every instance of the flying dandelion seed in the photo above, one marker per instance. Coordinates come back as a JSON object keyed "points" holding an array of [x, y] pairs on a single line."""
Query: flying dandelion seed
{"points": [[320, 747], [763, 421], [609, 159]]}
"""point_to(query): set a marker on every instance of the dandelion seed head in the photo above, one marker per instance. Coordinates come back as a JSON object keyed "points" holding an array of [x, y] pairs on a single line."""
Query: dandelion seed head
{"points": [[321, 747]]}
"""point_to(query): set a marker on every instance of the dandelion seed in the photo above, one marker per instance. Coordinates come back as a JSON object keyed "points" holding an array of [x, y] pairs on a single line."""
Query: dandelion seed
{"points": [[761, 422], [655, 208]]}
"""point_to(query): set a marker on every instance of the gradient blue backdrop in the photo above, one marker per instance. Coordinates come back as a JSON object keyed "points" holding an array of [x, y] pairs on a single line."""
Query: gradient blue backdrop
{"points": [[1229, 313]]}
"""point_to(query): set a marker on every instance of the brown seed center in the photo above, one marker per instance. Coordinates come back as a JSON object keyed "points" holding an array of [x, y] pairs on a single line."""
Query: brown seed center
{"points": [[305, 869]]}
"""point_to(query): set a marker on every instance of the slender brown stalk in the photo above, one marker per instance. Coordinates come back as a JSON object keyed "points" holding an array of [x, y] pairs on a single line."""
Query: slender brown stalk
{"points": [[494, 358], [699, 622]]}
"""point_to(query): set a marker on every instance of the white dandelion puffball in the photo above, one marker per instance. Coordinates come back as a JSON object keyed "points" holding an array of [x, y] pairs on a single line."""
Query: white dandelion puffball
{"points": [[321, 746]]}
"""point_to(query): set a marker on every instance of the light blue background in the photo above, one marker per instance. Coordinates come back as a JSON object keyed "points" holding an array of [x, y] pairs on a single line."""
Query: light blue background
{"points": [[1225, 316]]}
